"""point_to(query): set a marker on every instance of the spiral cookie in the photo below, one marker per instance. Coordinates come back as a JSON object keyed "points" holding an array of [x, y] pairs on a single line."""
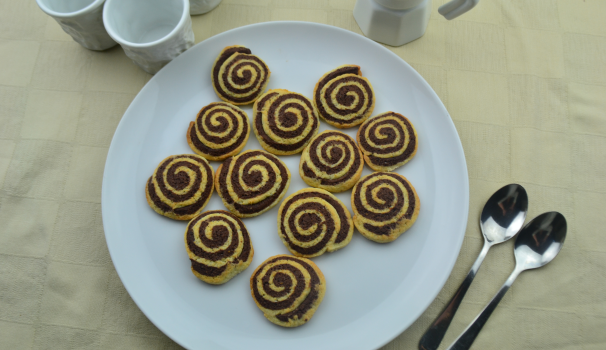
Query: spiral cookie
{"points": [[238, 76], [312, 221], [384, 205], [220, 131], [218, 246], [343, 97], [284, 121], [332, 161], [288, 289], [388, 141], [252, 182], [180, 186]]}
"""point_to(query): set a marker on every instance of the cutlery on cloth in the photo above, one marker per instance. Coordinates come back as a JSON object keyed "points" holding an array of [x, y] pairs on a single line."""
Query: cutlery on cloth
{"points": [[502, 217], [537, 244]]}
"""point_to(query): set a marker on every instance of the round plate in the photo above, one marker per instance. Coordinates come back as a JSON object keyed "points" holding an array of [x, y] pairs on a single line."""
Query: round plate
{"points": [[374, 291]]}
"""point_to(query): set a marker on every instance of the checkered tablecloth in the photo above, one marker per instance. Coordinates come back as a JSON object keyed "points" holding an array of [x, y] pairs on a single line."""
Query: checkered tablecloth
{"points": [[523, 80]]}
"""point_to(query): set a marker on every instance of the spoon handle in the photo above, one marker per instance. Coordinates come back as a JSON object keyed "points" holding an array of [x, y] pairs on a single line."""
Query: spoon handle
{"points": [[464, 341], [433, 336]]}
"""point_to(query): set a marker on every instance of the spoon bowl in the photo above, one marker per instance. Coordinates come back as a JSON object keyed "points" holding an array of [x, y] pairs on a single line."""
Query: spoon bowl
{"points": [[504, 213], [540, 241]]}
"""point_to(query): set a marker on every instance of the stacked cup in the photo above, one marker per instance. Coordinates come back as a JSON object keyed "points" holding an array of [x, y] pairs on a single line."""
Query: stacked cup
{"points": [[82, 19], [151, 32]]}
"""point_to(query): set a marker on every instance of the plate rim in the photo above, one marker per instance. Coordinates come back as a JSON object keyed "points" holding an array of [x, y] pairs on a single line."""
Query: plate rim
{"points": [[450, 125]]}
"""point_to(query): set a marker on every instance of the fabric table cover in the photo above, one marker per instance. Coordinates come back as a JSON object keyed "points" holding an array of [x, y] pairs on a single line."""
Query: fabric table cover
{"points": [[523, 80]]}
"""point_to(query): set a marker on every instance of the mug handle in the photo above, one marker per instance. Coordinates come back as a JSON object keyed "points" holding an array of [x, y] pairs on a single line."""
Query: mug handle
{"points": [[455, 8]]}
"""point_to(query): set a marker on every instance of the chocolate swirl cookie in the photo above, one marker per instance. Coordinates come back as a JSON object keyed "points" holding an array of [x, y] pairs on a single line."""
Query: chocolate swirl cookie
{"points": [[332, 161], [312, 221], [388, 141], [220, 131], [252, 182], [238, 76], [384, 205], [180, 186], [343, 97], [218, 246], [284, 121], [288, 289]]}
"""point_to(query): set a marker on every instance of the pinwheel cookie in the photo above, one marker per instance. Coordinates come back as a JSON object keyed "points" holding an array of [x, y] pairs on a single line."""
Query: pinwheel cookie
{"points": [[218, 246], [238, 76], [219, 131], [384, 205], [284, 121], [332, 161], [312, 221], [251, 183], [288, 289], [180, 186], [388, 141], [343, 97]]}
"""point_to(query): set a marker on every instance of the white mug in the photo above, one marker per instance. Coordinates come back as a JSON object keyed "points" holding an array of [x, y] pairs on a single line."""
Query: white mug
{"points": [[82, 19], [151, 32], [198, 7]]}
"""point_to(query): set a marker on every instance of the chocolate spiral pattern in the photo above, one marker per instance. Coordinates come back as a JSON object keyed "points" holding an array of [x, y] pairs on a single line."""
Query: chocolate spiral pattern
{"points": [[218, 246], [220, 131], [180, 186], [312, 221], [288, 289], [388, 141], [332, 161], [384, 205], [284, 121], [238, 76], [252, 182], [343, 97]]}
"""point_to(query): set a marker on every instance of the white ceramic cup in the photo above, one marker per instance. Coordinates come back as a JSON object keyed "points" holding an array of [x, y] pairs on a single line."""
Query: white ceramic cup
{"points": [[198, 7], [151, 32], [82, 19]]}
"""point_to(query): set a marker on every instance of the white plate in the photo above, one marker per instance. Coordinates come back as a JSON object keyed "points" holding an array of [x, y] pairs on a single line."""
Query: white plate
{"points": [[374, 291]]}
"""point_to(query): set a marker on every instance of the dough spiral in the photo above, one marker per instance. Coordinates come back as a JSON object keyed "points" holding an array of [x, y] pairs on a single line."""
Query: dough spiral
{"points": [[284, 121], [288, 289], [252, 182], [219, 131], [218, 246], [312, 221], [180, 186], [343, 97], [388, 141], [238, 76], [332, 161], [384, 205]]}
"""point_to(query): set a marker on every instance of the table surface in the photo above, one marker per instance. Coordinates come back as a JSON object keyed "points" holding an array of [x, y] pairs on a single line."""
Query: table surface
{"points": [[523, 80]]}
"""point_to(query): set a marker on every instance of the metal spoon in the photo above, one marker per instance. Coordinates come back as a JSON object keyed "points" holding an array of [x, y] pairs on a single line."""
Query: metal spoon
{"points": [[537, 244], [502, 217]]}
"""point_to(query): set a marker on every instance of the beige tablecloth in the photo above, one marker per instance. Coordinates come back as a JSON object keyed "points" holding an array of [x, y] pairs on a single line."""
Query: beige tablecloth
{"points": [[524, 82]]}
